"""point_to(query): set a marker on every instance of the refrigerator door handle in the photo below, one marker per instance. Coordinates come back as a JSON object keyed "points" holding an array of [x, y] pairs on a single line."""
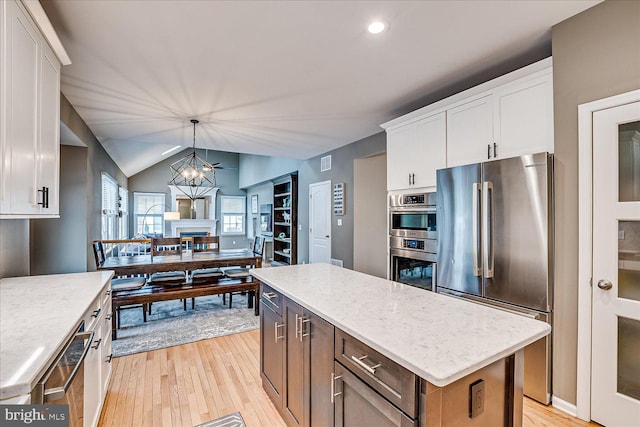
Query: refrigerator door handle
{"points": [[487, 229], [477, 195]]}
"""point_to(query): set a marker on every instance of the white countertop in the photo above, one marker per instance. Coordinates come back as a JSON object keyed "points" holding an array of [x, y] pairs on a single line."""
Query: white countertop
{"points": [[437, 337], [37, 315]]}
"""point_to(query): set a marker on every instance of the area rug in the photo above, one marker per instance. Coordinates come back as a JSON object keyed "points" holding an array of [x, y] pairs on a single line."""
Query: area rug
{"points": [[170, 325], [232, 420]]}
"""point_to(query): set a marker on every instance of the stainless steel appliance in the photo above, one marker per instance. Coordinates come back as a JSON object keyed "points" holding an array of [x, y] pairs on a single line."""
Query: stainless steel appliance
{"points": [[413, 215], [413, 239], [63, 381], [495, 245]]}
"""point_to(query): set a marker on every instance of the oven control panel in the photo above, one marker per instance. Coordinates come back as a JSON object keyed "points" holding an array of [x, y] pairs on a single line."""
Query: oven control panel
{"points": [[413, 244], [413, 199]]}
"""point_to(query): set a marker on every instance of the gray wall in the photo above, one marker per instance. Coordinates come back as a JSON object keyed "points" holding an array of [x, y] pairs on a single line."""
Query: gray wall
{"points": [[370, 188], [156, 179], [59, 245], [97, 161], [258, 169], [596, 54], [14, 247], [341, 171]]}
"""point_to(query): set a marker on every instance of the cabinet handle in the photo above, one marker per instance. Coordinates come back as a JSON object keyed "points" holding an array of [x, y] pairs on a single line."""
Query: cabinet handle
{"points": [[275, 331], [334, 377], [298, 327], [97, 344], [45, 197], [409, 179], [109, 316], [96, 313], [302, 323], [109, 358], [108, 292], [269, 295], [488, 151], [371, 369], [495, 150]]}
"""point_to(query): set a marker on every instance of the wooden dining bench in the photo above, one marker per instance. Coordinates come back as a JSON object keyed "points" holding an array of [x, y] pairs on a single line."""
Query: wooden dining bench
{"points": [[154, 293]]}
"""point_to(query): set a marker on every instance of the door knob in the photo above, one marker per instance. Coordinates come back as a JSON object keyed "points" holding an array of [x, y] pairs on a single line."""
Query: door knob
{"points": [[605, 284]]}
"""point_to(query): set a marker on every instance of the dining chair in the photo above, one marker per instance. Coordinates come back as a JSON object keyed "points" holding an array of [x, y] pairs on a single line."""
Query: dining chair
{"points": [[204, 244], [244, 272], [163, 247], [120, 284]]}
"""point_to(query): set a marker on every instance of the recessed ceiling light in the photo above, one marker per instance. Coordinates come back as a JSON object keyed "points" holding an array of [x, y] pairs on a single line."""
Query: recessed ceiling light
{"points": [[171, 149], [376, 27]]}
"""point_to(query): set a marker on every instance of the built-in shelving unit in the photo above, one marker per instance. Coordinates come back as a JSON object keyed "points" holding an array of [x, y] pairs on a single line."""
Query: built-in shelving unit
{"points": [[285, 220]]}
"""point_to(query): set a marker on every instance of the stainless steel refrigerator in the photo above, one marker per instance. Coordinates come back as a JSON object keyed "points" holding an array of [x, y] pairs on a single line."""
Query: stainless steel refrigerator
{"points": [[495, 245]]}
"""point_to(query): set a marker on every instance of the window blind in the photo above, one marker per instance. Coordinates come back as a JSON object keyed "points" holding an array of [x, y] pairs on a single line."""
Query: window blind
{"points": [[109, 195]]}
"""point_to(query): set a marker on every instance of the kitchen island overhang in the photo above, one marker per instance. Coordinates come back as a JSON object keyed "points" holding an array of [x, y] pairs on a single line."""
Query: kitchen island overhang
{"points": [[438, 338]]}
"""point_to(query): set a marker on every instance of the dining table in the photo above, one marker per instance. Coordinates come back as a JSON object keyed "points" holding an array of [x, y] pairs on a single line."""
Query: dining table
{"points": [[187, 261]]}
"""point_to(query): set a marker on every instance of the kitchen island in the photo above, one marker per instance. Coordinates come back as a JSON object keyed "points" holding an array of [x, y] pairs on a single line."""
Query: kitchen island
{"points": [[362, 342]]}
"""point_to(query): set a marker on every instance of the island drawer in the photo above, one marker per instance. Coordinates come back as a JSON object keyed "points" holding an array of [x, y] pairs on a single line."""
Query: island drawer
{"points": [[396, 383], [271, 298]]}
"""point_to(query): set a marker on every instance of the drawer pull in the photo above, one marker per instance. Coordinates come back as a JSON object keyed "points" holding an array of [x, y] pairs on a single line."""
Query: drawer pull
{"points": [[269, 295], [96, 344], [369, 368], [109, 358], [275, 331], [334, 377], [109, 316], [96, 313]]}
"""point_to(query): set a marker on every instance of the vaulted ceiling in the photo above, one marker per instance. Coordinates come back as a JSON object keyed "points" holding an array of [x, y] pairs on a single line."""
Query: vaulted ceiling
{"points": [[280, 78]]}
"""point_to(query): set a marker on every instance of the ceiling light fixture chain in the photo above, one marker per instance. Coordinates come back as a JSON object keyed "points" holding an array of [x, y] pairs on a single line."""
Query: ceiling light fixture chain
{"points": [[192, 175]]}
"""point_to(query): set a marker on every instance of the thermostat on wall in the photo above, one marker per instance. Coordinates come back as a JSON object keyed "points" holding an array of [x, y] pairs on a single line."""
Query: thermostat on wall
{"points": [[338, 199]]}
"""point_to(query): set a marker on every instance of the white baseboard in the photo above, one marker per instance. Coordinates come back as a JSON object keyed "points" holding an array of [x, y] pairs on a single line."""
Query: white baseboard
{"points": [[564, 406]]}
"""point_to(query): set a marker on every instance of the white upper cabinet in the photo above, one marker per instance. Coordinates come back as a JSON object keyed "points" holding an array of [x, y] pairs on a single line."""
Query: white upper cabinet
{"points": [[505, 117], [29, 118], [415, 151], [523, 116], [469, 131]]}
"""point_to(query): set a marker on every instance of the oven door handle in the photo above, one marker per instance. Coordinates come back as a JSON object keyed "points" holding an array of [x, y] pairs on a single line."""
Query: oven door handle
{"points": [[58, 393]]}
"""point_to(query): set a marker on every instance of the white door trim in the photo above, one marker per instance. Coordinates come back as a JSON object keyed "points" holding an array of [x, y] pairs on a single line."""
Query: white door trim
{"points": [[585, 235]]}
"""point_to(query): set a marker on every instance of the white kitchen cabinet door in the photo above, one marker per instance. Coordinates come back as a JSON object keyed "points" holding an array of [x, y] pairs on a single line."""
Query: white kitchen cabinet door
{"points": [[415, 151], [21, 118], [523, 116], [49, 137], [470, 132], [431, 149], [399, 153], [92, 385]]}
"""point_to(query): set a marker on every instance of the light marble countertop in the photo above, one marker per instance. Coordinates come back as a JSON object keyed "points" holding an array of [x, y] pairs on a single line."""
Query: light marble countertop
{"points": [[437, 337], [37, 315]]}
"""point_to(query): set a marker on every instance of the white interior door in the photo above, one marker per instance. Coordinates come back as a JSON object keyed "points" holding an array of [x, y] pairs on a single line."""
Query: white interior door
{"points": [[615, 369], [320, 222]]}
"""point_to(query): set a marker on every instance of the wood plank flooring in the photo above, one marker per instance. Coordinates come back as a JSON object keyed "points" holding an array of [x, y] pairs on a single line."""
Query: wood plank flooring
{"points": [[193, 383]]}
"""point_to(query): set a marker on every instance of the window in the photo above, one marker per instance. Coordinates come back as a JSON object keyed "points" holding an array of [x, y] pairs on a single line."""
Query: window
{"points": [[148, 213], [123, 216], [232, 210], [109, 207]]}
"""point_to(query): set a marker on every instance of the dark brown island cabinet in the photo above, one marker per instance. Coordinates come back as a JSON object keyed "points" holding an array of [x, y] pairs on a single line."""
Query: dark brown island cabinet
{"points": [[317, 375]]}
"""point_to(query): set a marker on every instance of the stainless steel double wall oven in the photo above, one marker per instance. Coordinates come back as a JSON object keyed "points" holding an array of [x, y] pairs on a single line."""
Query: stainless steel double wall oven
{"points": [[413, 238]]}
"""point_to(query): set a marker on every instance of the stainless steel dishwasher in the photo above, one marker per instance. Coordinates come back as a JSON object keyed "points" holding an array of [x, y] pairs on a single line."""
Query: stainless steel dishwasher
{"points": [[63, 381]]}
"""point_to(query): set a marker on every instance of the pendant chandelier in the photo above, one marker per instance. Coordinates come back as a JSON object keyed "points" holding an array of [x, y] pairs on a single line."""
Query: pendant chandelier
{"points": [[193, 175]]}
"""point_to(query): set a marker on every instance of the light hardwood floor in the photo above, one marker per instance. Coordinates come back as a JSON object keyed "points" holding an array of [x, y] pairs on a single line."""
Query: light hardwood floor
{"points": [[194, 383]]}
